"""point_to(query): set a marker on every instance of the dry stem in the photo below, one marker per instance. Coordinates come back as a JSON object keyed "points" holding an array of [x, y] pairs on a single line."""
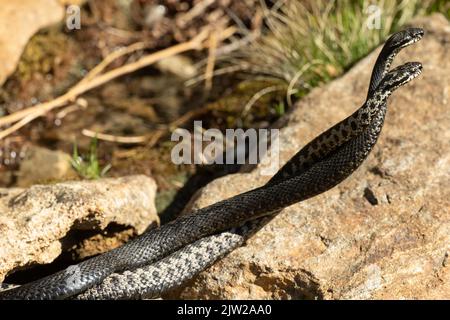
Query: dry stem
{"points": [[95, 79]]}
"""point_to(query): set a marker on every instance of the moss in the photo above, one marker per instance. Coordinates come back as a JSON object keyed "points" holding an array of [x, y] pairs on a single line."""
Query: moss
{"points": [[44, 54], [48, 66]]}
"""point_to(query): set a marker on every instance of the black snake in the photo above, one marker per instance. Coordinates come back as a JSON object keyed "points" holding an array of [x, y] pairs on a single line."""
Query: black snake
{"points": [[165, 257]]}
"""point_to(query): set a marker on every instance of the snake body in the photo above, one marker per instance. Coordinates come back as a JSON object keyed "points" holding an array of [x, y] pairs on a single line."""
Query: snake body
{"points": [[152, 280], [164, 257]]}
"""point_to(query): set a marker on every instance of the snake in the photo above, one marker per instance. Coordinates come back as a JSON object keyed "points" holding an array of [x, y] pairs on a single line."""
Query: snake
{"points": [[167, 256]]}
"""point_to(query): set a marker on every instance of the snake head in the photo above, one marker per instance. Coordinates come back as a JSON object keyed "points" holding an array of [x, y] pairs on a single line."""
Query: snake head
{"points": [[391, 48], [404, 38], [399, 76]]}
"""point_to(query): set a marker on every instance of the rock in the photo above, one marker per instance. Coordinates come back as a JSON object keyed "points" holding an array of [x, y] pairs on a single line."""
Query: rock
{"points": [[343, 244], [43, 165], [100, 243], [19, 21], [35, 222], [6, 178]]}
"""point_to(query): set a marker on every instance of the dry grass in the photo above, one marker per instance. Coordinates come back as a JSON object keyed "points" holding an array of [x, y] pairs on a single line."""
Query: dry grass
{"points": [[306, 43]]}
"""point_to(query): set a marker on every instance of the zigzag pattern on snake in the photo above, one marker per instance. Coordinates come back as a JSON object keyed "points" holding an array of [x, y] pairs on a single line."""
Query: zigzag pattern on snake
{"points": [[319, 166]]}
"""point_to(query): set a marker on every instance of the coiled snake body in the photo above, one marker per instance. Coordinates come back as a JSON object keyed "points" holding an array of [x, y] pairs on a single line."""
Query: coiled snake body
{"points": [[165, 257]]}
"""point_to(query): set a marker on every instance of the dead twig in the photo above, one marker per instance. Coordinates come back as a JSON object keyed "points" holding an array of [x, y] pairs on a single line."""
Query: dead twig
{"points": [[110, 58], [79, 104], [22, 117], [112, 138], [149, 139], [197, 10], [209, 71], [257, 96]]}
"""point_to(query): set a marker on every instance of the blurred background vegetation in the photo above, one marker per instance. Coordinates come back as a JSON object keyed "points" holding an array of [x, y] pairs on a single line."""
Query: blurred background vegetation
{"points": [[280, 51]]}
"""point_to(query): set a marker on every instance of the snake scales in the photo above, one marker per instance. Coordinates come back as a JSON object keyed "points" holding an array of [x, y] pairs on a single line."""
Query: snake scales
{"points": [[165, 257]]}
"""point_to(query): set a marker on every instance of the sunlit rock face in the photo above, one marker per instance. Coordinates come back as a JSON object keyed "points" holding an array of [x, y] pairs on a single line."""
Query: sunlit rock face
{"points": [[383, 233]]}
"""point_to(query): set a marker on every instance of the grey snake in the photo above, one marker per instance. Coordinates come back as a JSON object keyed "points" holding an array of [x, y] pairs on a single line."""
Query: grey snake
{"points": [[165, 257]]}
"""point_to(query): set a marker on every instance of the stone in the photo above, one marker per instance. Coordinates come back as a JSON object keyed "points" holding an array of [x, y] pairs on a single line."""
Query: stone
{"points": [[384, 233], [42, 165], [35, 222], [19, 21]]}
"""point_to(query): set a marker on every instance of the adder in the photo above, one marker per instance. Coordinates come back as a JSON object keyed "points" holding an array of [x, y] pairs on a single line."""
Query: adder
{"points": [[165, 257]]}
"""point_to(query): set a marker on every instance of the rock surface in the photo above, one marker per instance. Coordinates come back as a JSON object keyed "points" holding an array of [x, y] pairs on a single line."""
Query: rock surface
{"points": [[384, 233], [41, 165], [35, 222], [19, 20]]}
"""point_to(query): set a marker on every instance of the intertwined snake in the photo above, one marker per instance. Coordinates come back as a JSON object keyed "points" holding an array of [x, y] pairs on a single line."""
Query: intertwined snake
{"points": [[165, 257]]}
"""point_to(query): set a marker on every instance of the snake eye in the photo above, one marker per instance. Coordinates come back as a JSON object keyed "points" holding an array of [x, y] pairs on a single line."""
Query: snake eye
{"points": [[416, 32]]}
